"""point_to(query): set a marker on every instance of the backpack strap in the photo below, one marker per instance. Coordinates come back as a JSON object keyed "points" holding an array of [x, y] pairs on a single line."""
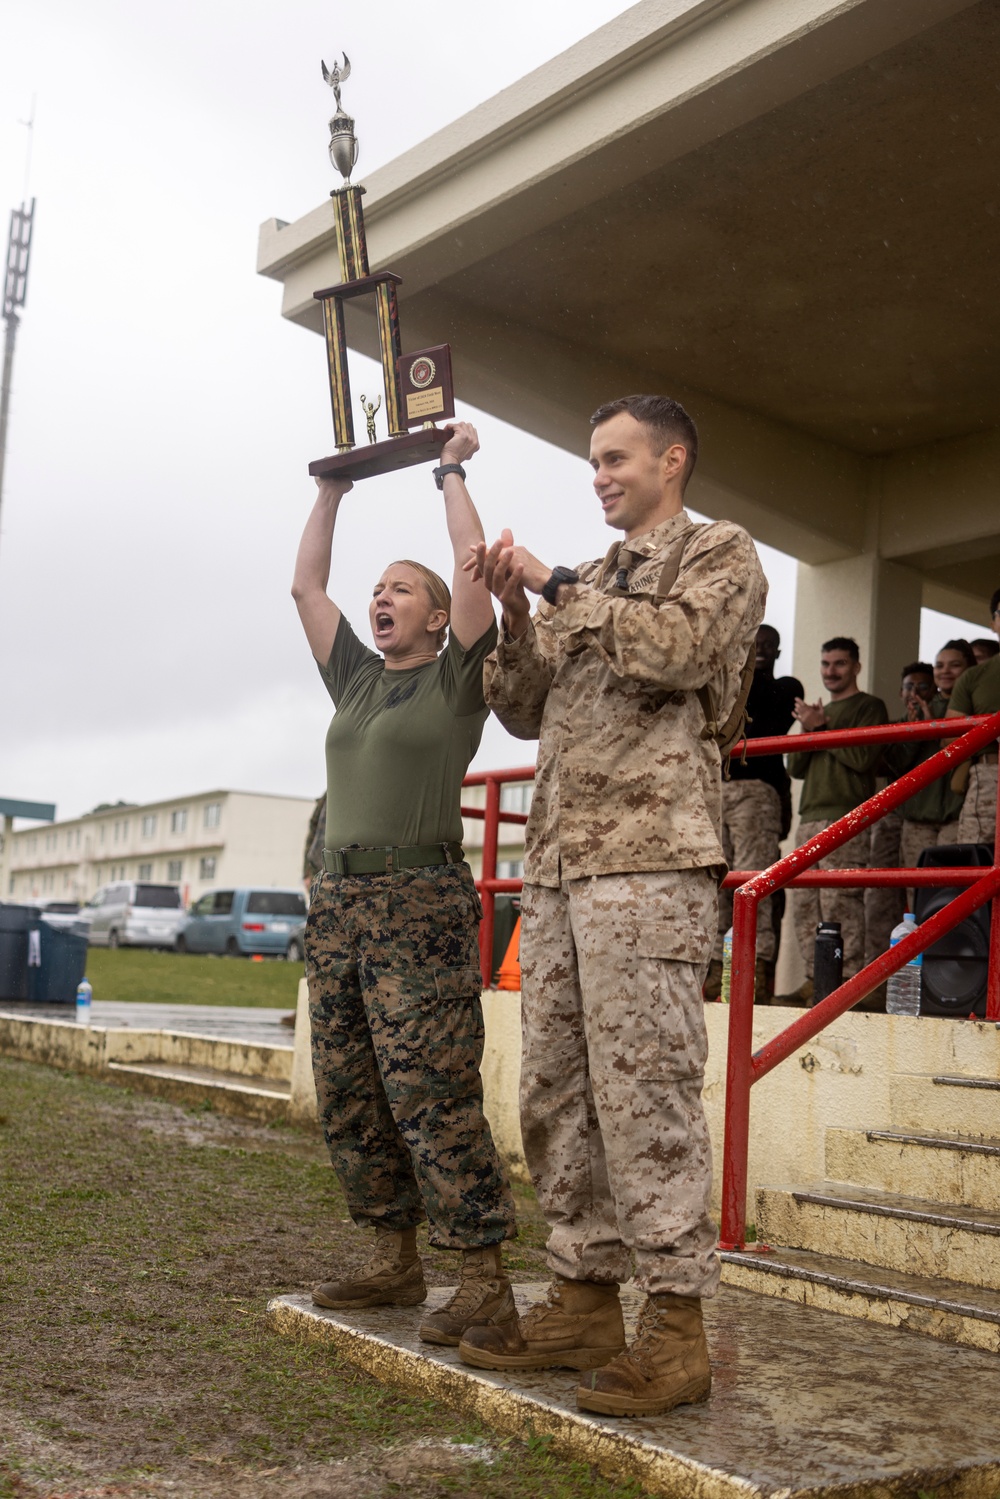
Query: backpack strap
{"points": [[728, 734]]}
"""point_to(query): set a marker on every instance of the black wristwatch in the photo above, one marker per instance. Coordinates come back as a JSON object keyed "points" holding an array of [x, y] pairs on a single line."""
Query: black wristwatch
{"points": [[447, 468], [559, 576]]}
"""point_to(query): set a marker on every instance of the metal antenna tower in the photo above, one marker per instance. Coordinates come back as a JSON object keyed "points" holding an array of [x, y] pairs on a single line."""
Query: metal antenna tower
{"points": [[15, 286]]}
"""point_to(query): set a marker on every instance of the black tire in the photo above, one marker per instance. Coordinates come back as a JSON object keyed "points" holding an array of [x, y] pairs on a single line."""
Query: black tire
{"points": [[295, 953], [181, 944], [113, 938], [232, 948]]}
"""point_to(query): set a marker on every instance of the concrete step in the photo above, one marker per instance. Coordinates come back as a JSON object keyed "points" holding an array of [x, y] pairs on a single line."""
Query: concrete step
{"points": [[944, 1167], [940, 1309], [791, 1411], [226, 1092], [910, 1234], [960, 1105]]}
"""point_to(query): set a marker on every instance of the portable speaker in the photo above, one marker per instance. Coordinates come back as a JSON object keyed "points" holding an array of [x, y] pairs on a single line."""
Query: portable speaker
{"points": [[954, 969]]}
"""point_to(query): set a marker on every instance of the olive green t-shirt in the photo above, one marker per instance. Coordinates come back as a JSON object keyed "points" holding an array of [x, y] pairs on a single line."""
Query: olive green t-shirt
{"points": [[937, 803], [837, 781], [400, 743], [978, 689]]}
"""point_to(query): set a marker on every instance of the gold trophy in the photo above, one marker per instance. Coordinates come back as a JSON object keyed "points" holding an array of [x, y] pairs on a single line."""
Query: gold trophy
{"points": [[418, 386]]}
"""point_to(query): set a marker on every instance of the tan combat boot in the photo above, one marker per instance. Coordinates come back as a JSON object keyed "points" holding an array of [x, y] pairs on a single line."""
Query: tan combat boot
{"points": [[483, 1297], [393, 1276], [578, 1326], [666, 1365]]}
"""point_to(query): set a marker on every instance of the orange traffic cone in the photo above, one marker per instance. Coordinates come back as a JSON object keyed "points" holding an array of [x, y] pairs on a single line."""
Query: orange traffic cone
{"points": [[510, 968]]}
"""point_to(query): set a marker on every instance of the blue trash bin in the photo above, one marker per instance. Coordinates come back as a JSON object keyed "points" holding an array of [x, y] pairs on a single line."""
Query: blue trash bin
{"points": [[60, 962], [15, 924]]}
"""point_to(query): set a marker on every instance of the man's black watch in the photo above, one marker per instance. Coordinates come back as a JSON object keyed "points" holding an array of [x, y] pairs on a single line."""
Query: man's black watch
{"points": [[447, 468], [559, 576]]}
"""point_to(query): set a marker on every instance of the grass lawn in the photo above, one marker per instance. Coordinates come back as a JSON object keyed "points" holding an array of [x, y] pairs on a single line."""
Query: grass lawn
{"points": [[147, 977], [140, 1245]]}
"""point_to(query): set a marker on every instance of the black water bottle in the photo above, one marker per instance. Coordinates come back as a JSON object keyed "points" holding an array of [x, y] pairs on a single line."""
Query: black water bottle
{"points": [[828, 960]]}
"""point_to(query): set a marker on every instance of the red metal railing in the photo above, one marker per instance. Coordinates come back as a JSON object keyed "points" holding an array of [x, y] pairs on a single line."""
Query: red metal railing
{"points": [[744, 1068], [488, 885]]}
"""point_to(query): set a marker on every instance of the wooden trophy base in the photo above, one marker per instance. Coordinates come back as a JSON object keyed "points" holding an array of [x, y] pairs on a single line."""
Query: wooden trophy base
{"points": [[383, 457]]}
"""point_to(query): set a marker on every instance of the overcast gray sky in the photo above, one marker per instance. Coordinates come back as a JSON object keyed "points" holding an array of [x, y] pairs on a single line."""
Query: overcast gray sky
{"points": [[164, 414]]}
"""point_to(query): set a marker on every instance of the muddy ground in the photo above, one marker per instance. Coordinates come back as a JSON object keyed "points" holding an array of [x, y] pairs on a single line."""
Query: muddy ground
{"points": [[139, 1245]]}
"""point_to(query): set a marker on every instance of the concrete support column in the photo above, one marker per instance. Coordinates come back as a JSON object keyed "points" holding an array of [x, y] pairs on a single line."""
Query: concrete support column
{"points": [[877, 602]]}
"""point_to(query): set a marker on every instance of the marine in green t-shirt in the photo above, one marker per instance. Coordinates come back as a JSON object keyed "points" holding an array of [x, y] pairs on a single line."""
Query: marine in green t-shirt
{"points": [[400, 742], [838, 780]]}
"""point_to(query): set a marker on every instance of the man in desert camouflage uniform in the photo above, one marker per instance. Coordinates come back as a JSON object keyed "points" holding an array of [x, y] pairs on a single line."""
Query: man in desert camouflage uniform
{"points": [[618, 913]]}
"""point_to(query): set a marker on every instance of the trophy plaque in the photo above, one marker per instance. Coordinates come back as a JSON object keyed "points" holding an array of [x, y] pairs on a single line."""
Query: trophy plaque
{"points": [[418, 386]]}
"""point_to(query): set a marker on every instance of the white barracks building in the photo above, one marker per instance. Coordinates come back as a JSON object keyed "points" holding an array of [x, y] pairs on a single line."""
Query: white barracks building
{"points": [[210, 838]]}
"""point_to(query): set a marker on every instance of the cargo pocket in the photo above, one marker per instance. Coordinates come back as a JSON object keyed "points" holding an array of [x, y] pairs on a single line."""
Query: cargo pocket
{"points": [[670, 1040], [429, 1025]]}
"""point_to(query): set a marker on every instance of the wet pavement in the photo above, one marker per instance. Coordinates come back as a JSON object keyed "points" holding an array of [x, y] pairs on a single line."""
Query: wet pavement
{"points": [[804, 1402], [221, 1022]]}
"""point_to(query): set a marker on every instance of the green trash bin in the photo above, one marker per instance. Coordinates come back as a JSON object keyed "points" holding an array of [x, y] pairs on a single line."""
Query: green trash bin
{"points": [[57, 961], [15, 924]]}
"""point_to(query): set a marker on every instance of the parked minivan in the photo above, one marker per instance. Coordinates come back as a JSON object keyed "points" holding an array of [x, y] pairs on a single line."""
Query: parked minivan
{"points": [[245, 921], [134, 913]]}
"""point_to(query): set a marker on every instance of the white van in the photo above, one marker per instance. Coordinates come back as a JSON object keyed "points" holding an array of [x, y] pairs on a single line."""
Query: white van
{"points": [[134, 913]]}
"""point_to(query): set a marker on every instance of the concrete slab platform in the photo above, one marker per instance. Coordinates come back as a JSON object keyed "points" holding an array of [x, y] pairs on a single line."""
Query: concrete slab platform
{"points": [[229, 1022], [805, 1403]]}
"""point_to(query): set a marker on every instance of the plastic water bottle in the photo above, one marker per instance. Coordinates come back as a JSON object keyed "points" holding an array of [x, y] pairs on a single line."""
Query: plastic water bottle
{"points": [[84, 994], [902, 996], [727, 965]]}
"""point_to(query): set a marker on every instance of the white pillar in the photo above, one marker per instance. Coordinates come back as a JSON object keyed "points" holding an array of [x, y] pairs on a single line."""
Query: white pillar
{"points": [[875, 601]]}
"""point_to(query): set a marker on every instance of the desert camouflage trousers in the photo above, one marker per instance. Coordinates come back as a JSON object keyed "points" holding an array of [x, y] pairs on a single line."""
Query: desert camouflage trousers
{"points": [[810, 907], [977, 820], [613, 1057], [397, 1039], [751, 835]]}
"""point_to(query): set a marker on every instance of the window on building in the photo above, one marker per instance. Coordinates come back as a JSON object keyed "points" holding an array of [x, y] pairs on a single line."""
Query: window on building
{"points": [[50, 840], [124, 828], [149, 825], [100, 834], [178, 822], [48, 882], [516, 797], [510, 869], [10, 887], [175, 867], [145, 871], [206, 869], [213, 811]]}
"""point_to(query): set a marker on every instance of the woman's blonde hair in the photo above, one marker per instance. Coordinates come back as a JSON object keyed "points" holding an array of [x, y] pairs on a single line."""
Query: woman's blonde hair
{"points": [[438, 590]]}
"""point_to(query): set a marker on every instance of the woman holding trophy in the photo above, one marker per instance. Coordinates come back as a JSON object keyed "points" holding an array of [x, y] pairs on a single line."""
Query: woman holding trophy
{"points": [[392, 934]]}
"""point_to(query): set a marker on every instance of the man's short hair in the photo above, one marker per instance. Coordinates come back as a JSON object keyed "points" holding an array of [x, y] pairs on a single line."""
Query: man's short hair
{"points": [[665, 421], [995, 603], [917, 668], [771, 631], [988, 646], [843, 643]]}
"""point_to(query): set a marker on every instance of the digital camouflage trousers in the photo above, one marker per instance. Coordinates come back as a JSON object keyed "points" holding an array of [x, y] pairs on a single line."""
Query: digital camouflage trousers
{"points": [[613, 1060], [397, 1040]]}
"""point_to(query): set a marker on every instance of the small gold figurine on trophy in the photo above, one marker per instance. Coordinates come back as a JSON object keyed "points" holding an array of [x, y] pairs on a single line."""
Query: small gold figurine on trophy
{"points": [[369, 408], [418, 386]]}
